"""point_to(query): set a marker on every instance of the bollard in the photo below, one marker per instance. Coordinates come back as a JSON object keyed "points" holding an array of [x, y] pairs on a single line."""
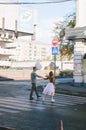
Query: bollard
{"points": [[61, 125]]}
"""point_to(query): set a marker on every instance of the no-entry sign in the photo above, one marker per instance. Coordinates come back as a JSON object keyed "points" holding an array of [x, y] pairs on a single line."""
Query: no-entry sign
{"points": [[55, 41]]}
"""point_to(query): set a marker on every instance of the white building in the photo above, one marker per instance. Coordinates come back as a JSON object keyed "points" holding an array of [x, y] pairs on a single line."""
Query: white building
{"points": [[27, 50], [15, 21]]}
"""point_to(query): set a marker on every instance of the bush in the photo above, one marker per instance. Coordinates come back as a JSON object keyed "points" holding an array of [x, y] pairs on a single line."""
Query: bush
{"points": [[66, 73]]}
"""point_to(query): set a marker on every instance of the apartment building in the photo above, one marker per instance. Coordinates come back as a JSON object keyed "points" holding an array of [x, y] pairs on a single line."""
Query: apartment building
{"points": [[27, 50]]}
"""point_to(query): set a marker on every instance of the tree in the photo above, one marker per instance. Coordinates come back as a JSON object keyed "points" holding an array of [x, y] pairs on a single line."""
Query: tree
{"points": [[71, 20], [66, 47], [67, 50]]}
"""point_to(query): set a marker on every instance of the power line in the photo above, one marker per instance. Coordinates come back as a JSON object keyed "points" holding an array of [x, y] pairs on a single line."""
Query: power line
{"points": [[51, 2]]}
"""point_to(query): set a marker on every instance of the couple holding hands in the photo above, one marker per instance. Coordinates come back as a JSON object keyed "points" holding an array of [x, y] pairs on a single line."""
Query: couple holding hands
{"points": [[48, 90]]}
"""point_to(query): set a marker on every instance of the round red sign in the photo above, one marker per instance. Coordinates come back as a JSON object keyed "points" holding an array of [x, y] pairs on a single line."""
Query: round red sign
{"points": [[55, 41]]}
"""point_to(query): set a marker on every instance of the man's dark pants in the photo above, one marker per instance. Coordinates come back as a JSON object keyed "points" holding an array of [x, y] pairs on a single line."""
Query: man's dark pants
{"points": [[33, 89]]}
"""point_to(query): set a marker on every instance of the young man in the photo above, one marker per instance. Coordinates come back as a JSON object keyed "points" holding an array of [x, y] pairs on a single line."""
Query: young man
{"points": [[33, 82]]}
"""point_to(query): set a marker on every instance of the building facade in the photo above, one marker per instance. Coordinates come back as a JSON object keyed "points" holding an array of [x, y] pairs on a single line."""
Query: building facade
{"points": [[14, 24], [27, 50], [78, 35]]}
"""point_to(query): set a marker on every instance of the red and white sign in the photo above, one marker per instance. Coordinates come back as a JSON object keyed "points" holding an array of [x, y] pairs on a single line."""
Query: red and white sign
{"points": [[55, 41]]}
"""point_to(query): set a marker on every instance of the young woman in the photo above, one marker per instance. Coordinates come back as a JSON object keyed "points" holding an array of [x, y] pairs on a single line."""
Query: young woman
{"points": [[50, 87]]}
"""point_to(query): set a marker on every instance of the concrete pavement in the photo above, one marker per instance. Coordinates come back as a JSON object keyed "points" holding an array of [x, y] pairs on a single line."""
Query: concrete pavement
{"points": [[64, 86], [26, 114], [69, 88]]}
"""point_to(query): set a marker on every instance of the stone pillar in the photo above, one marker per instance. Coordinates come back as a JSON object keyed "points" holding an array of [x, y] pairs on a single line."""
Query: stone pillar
{"points": [[84, 71], [84, 66], [80, 13], [78, 67], [79, 75], [78, 35]]}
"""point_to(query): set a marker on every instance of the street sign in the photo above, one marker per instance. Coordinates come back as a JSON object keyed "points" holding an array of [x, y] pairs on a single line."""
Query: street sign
{"points": [[55, 41], [55, 50]]}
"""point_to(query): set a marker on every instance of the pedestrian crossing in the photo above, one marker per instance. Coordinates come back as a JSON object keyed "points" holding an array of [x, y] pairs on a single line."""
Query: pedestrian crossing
{"points": [[20, 103]]}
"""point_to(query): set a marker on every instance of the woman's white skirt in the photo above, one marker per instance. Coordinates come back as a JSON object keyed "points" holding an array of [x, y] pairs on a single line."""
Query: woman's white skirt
{"points": [[49, 89]]}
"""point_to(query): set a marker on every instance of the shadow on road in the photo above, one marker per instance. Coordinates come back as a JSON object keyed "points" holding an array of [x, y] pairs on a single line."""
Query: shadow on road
{"points": [[5, 78]]}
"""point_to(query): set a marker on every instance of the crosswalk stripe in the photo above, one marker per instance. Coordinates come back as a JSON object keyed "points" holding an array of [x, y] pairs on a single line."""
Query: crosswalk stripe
{"points": [[8, 110], [0, 113], [17, 104], [74, 99]]}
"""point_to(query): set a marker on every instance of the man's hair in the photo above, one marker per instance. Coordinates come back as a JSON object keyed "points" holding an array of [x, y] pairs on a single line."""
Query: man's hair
{"points": [[34, 67]]}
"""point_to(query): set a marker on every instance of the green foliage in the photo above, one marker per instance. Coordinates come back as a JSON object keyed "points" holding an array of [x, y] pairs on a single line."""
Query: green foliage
{"points": [[66, 48], [66, 73], [71, 20], [67, 51], [72, 23]]}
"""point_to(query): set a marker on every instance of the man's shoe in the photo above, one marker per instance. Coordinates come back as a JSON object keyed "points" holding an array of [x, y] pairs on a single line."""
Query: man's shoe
{"points": [[31, 98], [38, 96]]}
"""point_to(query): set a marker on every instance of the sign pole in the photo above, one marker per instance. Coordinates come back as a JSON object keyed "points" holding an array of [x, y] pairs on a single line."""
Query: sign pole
{"points": [[54, 67], [55, 52]]}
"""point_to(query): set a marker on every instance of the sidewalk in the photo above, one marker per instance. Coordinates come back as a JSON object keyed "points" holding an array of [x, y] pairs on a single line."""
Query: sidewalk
{"points": [[65, 88], [68, 88]]}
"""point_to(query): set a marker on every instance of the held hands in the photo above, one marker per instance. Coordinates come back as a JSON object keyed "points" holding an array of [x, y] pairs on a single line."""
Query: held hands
{"points": [[41, 77], [45, 78]]}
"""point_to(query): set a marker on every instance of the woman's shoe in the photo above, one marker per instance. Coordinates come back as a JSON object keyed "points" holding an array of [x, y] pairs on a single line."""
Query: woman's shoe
{"points": [[52, 100], [43, 98]]}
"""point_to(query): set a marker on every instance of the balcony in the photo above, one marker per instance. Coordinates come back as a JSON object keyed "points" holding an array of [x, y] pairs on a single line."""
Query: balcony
{"points": [[6, 37], [5, 63], [10, 46], [5, 52]]}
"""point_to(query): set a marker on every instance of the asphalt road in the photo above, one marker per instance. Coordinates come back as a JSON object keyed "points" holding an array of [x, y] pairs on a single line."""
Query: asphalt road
{"points": [[17, 111]]}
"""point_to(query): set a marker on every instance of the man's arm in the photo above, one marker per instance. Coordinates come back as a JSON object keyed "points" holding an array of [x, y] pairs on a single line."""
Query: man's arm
{"points": [[38, 76]]}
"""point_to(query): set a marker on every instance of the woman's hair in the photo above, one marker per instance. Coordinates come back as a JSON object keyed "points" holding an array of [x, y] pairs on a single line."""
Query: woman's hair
{"points": [[51, 73]]}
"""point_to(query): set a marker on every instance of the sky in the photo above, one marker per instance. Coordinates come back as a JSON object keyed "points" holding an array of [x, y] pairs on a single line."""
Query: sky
{"points": [[47, 14]]}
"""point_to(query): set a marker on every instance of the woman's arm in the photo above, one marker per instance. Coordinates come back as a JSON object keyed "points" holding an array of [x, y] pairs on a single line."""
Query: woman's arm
{"points": [[47, 77]]}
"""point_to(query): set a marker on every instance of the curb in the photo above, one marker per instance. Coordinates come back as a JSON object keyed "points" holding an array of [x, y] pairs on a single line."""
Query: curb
{"points": [[71, 93], [63, 91]]}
